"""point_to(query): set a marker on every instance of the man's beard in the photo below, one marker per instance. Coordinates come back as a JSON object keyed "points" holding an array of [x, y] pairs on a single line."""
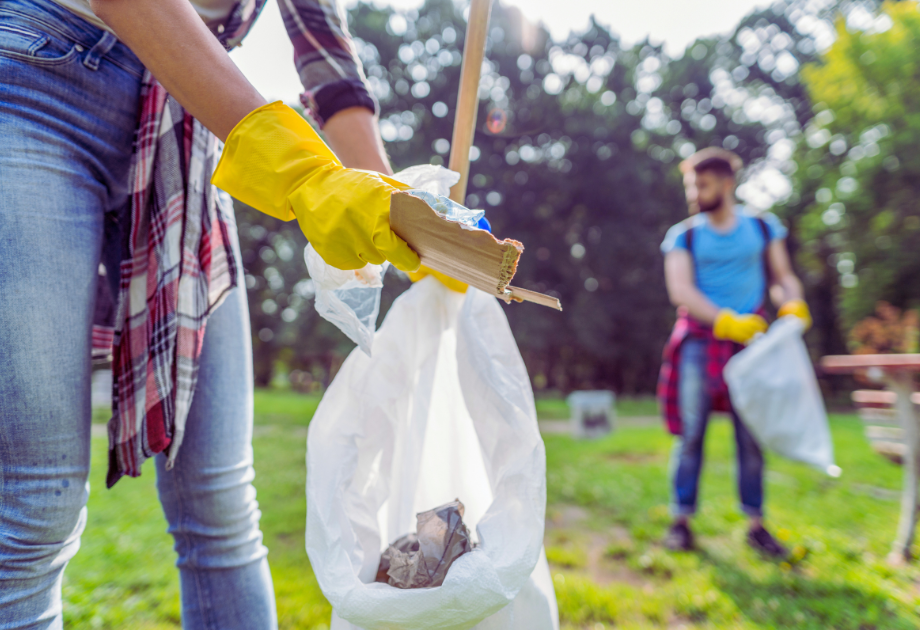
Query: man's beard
{"points": [[712, 206]]}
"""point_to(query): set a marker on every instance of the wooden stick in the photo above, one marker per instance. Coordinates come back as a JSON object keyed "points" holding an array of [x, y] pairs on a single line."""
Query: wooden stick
{"points": [[524, 295], [474, 51]]}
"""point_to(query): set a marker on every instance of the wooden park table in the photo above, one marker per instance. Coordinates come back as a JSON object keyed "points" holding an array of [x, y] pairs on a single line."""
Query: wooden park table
{"points": [[896, 372]]}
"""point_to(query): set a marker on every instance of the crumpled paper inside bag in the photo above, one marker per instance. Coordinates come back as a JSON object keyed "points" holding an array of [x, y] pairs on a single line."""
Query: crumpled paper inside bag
{"points": [[421, 560]]}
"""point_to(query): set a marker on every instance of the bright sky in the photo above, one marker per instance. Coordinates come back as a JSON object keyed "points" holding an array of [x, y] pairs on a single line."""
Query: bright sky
{"points": [[267, 56]]}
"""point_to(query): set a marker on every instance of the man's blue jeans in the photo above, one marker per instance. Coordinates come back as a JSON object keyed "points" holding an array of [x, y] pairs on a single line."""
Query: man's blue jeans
{"points": [[69, 96], [687, 456]]}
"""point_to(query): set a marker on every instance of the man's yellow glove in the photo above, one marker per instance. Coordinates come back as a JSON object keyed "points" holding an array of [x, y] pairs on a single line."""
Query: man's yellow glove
{"points": [[737, 328], [798, 308], [275, 162]]}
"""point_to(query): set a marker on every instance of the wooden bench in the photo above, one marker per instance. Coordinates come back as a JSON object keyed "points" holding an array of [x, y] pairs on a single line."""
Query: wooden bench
{"points": [[883, 430], [897, 373]]}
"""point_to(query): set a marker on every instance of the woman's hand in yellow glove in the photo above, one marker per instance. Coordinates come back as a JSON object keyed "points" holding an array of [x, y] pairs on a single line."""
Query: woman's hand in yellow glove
{"points": [[447, 281], [275, 162], [737, 328], [798, 308]]}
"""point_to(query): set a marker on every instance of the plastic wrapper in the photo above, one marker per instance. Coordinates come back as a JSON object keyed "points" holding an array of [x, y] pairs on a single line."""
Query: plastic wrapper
{"points": [[421, 560], [429, 178], [450, 209], [351, 299]]}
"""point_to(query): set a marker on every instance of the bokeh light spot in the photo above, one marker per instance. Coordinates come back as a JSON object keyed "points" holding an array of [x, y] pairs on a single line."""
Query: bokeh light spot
{"points": [[496, 120]]}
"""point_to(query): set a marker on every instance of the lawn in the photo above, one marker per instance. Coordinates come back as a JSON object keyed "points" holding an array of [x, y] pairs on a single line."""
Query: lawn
{"points": [[606, 515]]}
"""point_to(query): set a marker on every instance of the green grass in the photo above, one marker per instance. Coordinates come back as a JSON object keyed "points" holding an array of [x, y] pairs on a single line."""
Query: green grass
{"points": [[606, 515], [839, 531], [284, 408]]}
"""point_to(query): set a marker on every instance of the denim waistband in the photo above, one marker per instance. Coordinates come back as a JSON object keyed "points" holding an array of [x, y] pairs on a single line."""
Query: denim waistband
{"points": [[99, 43]]}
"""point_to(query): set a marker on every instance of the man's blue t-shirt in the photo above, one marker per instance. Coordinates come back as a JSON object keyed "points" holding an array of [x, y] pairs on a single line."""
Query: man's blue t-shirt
{"points": [[729, 265]]}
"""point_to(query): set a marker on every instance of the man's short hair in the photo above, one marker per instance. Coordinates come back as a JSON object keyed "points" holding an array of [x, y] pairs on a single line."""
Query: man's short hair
{"points": [[713, 160]]}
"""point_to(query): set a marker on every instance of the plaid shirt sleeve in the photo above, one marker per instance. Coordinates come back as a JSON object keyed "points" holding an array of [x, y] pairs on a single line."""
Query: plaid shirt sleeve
{"points": [[326, 59]]}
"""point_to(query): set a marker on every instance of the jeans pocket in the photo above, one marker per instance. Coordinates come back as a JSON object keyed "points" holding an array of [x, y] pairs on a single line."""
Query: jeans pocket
{"points": [[29, 43]]}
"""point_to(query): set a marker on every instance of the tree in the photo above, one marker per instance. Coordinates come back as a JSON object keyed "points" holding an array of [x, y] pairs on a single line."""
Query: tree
{"points": [[575, 155], [858, 172]]}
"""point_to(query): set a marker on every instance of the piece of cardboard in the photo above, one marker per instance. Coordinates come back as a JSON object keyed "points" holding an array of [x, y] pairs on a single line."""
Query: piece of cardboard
{"points": [[472, 256], [524, 295]]}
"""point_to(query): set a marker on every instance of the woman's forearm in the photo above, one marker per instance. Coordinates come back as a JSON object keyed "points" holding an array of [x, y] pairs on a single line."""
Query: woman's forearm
{"points": [[354, 136], [179, 50]]}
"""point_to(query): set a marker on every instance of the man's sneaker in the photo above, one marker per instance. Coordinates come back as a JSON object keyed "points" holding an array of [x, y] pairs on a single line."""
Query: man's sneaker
{"points": [[679, 538], [761, 540]]}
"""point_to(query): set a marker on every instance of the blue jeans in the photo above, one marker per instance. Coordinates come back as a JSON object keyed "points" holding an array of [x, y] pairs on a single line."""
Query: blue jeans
{"points": [[69, 96], [687, 456]]}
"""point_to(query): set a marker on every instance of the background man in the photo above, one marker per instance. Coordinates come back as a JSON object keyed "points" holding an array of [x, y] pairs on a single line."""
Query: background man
{"points": [[720, 265]]}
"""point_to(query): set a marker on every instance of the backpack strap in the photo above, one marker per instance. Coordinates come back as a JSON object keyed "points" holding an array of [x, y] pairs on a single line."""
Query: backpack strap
{"points": [[765, 231]]}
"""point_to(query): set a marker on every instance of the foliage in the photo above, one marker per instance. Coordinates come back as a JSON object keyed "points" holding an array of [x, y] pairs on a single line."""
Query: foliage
{"points": [[889, 332], [858, 175], [606, 515]]}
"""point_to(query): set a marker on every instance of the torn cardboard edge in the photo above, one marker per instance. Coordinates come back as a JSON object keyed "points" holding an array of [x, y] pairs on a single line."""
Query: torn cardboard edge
{"points": [[472, 256]]}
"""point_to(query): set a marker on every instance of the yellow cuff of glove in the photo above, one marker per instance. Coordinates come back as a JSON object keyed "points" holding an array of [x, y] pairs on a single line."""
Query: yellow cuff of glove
{"points": [[447, 281], [267, 155], [798, 308], [275, 162], [738, 328]]}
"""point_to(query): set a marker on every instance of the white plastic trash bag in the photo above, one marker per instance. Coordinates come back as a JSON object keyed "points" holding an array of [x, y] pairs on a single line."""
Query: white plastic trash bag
{"points": [[351, 299], [773, 389], [348, 299], [443, 410]]}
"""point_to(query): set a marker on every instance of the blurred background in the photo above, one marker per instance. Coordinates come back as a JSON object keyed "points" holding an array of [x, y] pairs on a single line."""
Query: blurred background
{"points": [[586, 108]]}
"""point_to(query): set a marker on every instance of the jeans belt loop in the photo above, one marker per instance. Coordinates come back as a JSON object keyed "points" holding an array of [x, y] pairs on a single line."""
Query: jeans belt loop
{"points": [[100, 50]]}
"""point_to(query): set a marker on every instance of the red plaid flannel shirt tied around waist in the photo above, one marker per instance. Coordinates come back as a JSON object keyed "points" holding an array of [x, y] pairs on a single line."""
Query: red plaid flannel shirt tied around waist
{"points": [[178, 264], [718, 352]]}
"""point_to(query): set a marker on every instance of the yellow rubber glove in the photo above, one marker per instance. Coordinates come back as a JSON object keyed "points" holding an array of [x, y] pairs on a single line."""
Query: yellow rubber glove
{"points": [[450, 283], [738, 328], [798, 308], [275, 162]]}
